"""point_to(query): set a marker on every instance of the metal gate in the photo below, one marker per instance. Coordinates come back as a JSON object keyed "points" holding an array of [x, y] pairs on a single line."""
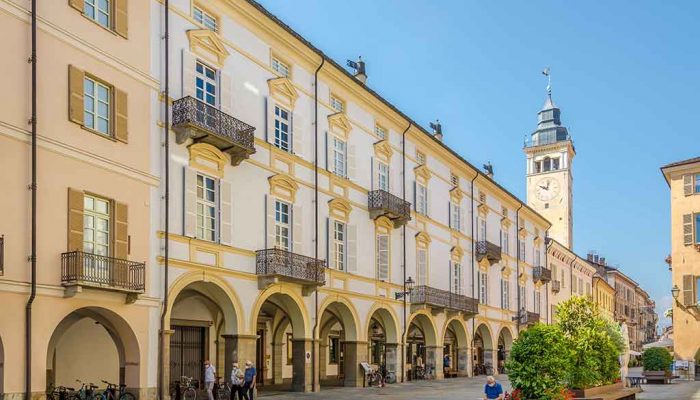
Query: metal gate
{"points": [[187, 349]]}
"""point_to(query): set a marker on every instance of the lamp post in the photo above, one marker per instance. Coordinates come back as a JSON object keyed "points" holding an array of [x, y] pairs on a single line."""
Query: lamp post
{"points": [[675, 292], [409, 287]]}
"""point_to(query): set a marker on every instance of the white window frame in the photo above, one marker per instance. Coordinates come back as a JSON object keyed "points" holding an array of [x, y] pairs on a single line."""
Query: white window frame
{"points": [[340, 162], [505, 294], [483, 287], [91, 231], [97, 12], [283, 128], [204, 231], [205, 18], [206, 76], [283, 225], [339, 244], [455, 216], [280, 67], [420, 157], [421, 266], [523, 297], [337, 104], [456, 277], [421, 198], [537, 258], [505, 241], [454, 180], [537, 301], [383, 176], [380, 131], [383, 249], [481, 224], [522, 250], [96, 107]]}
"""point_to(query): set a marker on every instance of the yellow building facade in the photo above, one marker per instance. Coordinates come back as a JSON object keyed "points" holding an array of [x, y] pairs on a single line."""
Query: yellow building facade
{"points": [[683, 179], [604, 297]]}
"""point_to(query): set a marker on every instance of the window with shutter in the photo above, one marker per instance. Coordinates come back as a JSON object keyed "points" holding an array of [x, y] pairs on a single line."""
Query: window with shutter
{"points": [[688, 185], [421, 268], [523, 298], [352, 248], [339, 243], [207, 208], [282, 128], [98, 103], [383, 176], [97, 225], [382, 257], [697, 229], [282, 225], [483, 287], [421, 199], [689, 296], [456, 278], [339, 157]]}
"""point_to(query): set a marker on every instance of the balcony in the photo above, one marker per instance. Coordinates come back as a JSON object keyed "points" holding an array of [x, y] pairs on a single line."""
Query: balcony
{"points": [[383, 203], [196, 120], [556, 286], [489, 251], [541, 275], [272, 265], [80, 269], [438, 298], [529, 318]]}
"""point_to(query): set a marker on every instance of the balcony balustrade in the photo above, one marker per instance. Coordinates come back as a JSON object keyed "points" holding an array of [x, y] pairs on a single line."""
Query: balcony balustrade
{"points": [[80, 269], [541, 274], [556, 286], [439, 298], [285, 265], [489, 251], [529, 318], [383, 203], [201, 122]]}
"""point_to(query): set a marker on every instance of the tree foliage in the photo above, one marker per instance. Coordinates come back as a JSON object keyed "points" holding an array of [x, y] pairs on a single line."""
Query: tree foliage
{"points": [[657, 359]]}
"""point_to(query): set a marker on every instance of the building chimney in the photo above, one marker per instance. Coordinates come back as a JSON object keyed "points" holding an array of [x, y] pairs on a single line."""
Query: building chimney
{"points": [[602, 261], [595, 258], [489, 169], [359, 67], [589, 257], [437, 129]]}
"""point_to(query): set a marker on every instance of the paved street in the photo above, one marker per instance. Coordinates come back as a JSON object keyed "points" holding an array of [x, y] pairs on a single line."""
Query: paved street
{"points": [[468, 389]]}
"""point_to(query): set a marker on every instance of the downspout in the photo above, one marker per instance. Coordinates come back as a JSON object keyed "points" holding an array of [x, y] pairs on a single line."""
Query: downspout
{"points": [[546, 265], [314, 339], [571, 277], [32, 257], [403, 233], [471, 184], [517, 265], [166, 247]]}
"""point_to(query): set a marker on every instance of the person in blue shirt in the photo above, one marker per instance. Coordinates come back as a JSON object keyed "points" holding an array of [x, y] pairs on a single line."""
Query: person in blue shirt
{"points": [[493, 389], [249, 381]]}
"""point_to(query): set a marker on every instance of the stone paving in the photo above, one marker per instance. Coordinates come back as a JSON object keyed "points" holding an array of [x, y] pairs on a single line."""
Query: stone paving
{"points": [[466, 389]]}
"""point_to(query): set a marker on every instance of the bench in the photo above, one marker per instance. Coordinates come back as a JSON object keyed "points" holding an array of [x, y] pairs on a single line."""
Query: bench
{"points": [[620, 394], [657, 377]]}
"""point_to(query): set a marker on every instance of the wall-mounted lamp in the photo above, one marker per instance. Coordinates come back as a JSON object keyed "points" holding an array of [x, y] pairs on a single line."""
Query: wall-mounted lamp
{"points": [[409, 287]]}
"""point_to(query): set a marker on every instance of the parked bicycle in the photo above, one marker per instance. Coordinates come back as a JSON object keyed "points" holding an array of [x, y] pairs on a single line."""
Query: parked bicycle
{"points": [[117, 392], [87, 392], [184, 390], [223, 389], [59, 393], [375, 378], [481, 369]]}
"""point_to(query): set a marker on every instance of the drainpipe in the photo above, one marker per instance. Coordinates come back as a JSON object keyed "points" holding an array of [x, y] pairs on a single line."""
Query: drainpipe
{"points": [[313, 334], [32, 187], [166, 150], [571, 277], [471, 184], [546, 264], [517, 264], [403, 233]]}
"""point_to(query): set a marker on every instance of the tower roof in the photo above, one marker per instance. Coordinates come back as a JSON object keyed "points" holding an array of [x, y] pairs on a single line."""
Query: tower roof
{"points": [[549, 128]]}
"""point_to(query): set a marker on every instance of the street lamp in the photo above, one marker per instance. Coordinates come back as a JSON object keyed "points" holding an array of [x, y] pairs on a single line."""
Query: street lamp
{"points": [[409, 287], [675, 292]]}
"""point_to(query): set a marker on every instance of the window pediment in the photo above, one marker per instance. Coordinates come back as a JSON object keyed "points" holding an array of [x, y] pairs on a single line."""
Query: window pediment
{"points": [[422, 172], [456, 195], [383, 149], [483, 209], [505, 223], [207, 158], [339, 121], [340, 209], [422, 238], [457, 253], [283, 89], [283, 186], [207, 44]]}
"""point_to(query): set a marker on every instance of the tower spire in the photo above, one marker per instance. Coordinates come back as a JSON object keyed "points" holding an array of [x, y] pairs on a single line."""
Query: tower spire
{"points": [[546, 72]]}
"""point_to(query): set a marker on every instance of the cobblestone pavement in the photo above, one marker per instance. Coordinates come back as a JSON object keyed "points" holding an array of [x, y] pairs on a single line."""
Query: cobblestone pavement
{"points": [[448, 389], [680, 390]]}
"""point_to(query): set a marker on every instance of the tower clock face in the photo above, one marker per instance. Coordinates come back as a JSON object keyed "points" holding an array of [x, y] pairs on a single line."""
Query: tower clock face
{"points": [[547, 189]]}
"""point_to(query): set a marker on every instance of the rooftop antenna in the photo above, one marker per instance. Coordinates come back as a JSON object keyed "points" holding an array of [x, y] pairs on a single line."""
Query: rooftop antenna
{"points": [[359, 67], [437, 129], [546, 73]]}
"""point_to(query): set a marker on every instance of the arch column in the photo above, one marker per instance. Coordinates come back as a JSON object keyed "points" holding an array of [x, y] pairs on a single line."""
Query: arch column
{"points": [[301, 365], [433, 359], [355, 353], [463, 356]]}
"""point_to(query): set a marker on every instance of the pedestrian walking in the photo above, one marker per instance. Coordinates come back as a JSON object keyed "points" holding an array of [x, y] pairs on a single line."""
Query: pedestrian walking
{"points": [[249, 380], [209, 379], [236, 382], [492, 389]]}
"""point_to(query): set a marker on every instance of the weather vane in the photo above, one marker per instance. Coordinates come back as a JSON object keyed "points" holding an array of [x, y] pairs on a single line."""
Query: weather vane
{"points": [[545, 72]]}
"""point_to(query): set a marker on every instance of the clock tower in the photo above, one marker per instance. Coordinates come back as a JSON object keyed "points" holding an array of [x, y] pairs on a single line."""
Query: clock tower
{"points": [[550, 153]]}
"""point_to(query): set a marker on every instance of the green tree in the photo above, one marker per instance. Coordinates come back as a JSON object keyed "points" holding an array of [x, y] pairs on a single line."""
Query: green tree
{"points": [[657, 359], [538, 362]]}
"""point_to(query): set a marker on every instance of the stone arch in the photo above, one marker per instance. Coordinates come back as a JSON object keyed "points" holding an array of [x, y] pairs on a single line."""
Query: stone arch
{"points": [[126, 352], [483, 345], [424, 321], [383, 348], [458, 348], [422, 342], [503, 345], [386, 315], [290, 302], [217, 290], [346, 312]]}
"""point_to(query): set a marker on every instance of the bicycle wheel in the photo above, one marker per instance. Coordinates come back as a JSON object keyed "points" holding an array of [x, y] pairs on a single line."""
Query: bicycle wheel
{"points": [[190, 394], [127, 396], [99, 396], [488, 370]]}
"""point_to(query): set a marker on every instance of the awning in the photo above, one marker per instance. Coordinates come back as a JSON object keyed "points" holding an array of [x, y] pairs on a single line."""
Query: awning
{"points": [[666, 342], [635, 353]]}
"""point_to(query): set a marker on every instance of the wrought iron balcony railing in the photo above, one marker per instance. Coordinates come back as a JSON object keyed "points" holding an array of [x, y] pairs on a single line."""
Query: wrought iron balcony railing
{"points": [[541, 274], [529, 317], [488, 250], [201, 122], [287, 265], [85, 269], [381, 202], [444, 299], [556, 286]]}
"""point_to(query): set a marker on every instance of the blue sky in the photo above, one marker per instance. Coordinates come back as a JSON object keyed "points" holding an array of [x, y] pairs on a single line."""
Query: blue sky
{"points": [[624, 73]]}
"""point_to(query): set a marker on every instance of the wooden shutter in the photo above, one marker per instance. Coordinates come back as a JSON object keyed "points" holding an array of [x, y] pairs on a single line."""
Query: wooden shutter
{"points": [[688, 184], [422, 272], [77, 4], [121, 231], [190, 197], [269, 221], [298, 223], [351, 168], [427, 199], [225, 212], [225, 92], [121, 18], [270, 120], [688, 290], [687, 229], [75, 219], [415, 196], [76, 82], [382, 257], [449, 214], [296, 124], [462, 219], [351, 249], [330, 237], [372, 169], [189, 66], [121, 131], [328, 151]]}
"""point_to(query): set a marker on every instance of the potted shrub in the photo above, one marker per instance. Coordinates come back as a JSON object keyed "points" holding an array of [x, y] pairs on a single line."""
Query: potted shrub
{"points": [[657, 365]]}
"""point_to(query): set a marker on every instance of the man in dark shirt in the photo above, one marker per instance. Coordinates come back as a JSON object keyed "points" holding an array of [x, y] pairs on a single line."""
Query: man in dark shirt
{"points": [[249, 381]]}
